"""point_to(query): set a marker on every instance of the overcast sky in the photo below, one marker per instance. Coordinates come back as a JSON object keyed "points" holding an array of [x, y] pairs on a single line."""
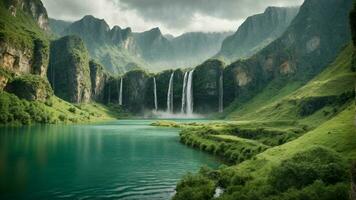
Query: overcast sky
{"points": [[172, 16]]}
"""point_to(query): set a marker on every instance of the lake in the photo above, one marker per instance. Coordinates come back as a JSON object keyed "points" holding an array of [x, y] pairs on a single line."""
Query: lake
{"points": [[126, 159]]}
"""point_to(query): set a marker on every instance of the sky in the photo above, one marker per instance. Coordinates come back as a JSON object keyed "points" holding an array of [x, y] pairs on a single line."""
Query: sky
{"points": [[171, 16]]}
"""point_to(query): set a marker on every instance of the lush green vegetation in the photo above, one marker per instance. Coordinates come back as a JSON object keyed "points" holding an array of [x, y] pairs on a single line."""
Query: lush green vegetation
{"points": [[20, 31], [16, 111], [304, 136]]}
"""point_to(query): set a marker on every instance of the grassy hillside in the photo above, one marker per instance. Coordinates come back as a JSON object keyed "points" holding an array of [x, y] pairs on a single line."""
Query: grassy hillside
{"points": [[294, 102], [16, 111], [291, 141]]}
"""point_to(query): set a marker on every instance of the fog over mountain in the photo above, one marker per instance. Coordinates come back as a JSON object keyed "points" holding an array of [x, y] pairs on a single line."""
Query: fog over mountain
{"points": [[174, 17]]}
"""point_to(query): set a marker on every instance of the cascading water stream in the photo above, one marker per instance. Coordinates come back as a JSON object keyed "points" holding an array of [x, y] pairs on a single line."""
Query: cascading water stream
{"points": [[221, 93], [190, 102], [170, 95], [155, 93], [184, 93], [120, 95]]}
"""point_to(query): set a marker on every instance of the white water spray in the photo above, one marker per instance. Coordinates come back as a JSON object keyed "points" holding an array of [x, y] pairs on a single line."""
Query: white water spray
{"points": [[155, 93], [170, 95], [184, 93], [120, 96], [190, 102]]}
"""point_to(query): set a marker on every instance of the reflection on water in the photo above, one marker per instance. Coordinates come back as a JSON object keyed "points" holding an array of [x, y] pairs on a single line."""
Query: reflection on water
{"points": [[118, 160]]}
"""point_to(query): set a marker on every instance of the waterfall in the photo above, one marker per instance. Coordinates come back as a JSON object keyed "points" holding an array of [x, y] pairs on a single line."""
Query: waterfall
{"points": [[170, 95], [155, 93], [221, 93], [120, 95], [190, 102], [184, 93]]}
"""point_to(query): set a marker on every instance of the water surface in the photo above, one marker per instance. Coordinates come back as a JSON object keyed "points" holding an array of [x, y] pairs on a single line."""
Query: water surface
{"points": [[119, 160]]}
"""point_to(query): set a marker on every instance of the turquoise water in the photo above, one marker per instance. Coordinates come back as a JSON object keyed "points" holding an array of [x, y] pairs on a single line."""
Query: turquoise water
{"points": [[119, 160]]}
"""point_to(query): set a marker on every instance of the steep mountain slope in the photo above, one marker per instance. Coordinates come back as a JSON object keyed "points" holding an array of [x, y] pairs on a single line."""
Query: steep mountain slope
{"points": [[311, 42], [58, 26], [121, 50], [201, 45], [257, 32]]}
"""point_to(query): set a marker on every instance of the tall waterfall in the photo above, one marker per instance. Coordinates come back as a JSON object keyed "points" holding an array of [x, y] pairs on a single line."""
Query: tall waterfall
{"points": [[190, 93], [155, 93], [170, 95], [221, 93], [120, 95], [187, 95], [184, 93]]}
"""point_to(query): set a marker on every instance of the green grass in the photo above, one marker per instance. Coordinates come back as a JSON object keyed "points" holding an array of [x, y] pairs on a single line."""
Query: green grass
{"points": [[19, 31]]}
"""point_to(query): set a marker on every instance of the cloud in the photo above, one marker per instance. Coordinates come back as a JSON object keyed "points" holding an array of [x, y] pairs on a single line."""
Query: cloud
{"points": [[172, 16]]}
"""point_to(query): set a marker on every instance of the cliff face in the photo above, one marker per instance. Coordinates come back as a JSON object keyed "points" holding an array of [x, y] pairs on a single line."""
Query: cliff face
{"points": [[313, 40], [257, 32], [30, 87], [69, 72], [206, 86], [98, 78], [24, 47], [34, 8]]}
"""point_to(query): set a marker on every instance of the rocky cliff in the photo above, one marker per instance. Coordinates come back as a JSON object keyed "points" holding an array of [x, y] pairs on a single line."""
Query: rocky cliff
{"points": [[313, 39], [34, 8], [69, 71], [257, 32], [206, 86], [98, 78], [24, 46]]}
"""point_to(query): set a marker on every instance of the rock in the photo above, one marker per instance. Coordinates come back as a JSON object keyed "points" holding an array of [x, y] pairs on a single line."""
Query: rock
{"points": [[30, 87], [257, 32], [34, 8], [69, 72], [98, 78], [303, 50], [206, 86], [17, 60]]}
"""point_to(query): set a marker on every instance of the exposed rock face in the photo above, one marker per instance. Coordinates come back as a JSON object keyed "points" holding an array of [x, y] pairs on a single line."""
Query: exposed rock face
{"points": [[30, 87], [24, 50], [98, 79], [17, 60], [34, 8], [206, 86], [69, 72], [257, 32], [134, 90], [313, 40]]}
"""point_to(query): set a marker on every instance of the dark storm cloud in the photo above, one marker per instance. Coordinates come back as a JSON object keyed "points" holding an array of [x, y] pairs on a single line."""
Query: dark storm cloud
{"points": [[178, 13], [172, 16]]}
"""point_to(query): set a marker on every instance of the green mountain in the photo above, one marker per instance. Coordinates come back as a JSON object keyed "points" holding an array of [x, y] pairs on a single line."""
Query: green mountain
{"points": [[257, 32], [121, 50], [58, 26], [310, 43]]}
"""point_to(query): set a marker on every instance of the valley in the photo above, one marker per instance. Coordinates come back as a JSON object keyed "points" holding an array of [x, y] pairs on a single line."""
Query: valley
{"points": [[269, 109]]}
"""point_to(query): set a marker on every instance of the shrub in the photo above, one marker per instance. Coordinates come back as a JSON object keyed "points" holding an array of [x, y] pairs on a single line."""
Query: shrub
{"points": [[195, 187], [316, 163], [72, 110]]}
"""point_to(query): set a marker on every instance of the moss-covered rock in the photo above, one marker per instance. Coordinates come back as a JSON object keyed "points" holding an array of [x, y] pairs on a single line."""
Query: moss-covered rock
{"points": [[162, 81], [98, 77], [30, 87], [68, 71], [206, 86], [134, 90]]}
